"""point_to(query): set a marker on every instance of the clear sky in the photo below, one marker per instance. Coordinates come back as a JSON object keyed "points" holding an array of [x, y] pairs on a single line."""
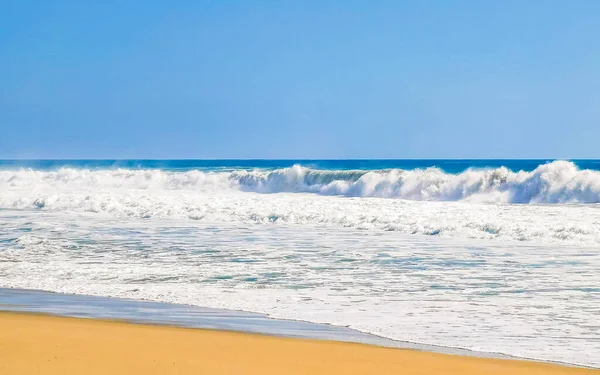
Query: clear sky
{"points": [[299, 79]]}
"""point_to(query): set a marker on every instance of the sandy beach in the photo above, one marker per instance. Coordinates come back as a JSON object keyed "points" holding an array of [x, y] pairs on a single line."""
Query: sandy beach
{"points": [[42, 344]]}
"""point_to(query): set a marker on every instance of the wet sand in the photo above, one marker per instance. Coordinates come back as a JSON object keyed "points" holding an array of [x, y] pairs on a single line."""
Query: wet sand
{"points": [[42, 344]]}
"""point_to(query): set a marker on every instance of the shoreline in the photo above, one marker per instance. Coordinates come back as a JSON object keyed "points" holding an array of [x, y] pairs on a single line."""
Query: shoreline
{"points": [[129, 311], [55, 344], [191, 316]]}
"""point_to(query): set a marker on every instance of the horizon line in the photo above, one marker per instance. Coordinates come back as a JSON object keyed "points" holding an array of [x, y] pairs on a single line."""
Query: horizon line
{"points": [[291, 159]]}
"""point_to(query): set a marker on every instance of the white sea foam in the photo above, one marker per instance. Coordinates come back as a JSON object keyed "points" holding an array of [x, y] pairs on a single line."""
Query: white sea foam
{"points": [[238, 197], [556, 182]]}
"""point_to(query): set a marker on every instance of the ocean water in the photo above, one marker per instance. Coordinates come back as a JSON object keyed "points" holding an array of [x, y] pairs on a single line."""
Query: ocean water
{"points": [[499, 256]]}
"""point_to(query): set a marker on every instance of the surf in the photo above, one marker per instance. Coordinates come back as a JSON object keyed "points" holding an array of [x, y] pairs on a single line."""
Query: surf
{"points": [[557, 182]]}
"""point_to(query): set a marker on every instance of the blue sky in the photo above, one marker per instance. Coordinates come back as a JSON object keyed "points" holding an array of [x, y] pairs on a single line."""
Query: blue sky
{"points": [[299, 79]]}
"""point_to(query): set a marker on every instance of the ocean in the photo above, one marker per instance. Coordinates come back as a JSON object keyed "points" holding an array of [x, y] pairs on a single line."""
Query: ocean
{"points": [[498, 256]]}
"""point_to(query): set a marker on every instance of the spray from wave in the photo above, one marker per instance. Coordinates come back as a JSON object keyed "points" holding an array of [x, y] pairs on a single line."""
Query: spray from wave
{"points": [[555, 182]]}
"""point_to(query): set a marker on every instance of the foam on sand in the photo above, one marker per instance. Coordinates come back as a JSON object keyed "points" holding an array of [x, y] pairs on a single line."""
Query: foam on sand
{"points": [[60, 345]]}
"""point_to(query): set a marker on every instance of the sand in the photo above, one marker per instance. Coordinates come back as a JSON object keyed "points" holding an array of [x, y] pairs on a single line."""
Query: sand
{"points": [[41, 344]]}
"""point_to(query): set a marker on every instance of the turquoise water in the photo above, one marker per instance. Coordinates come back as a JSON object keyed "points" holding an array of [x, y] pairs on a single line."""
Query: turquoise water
{"points": [[449, 166]]}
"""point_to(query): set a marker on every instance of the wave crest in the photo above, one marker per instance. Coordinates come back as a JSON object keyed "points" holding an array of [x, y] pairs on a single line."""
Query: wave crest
{"points": [[555, 182]]}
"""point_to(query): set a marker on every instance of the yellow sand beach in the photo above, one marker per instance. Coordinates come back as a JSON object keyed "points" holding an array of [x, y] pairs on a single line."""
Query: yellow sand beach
{"points": [[40, 344]]}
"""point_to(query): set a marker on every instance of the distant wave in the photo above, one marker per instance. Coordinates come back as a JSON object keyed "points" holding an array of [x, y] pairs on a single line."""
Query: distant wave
{"points": [[419, 201], [555, 182]]}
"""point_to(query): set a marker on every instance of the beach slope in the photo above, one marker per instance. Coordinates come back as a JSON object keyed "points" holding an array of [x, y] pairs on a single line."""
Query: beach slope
{"points": [[40, 344]]}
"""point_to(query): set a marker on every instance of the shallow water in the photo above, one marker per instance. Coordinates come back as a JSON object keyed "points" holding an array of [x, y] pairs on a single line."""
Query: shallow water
{"points": [[147, 312]]}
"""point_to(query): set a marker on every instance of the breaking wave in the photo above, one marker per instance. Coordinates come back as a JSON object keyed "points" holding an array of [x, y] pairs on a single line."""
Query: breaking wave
{"points": [[555, 182]]}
